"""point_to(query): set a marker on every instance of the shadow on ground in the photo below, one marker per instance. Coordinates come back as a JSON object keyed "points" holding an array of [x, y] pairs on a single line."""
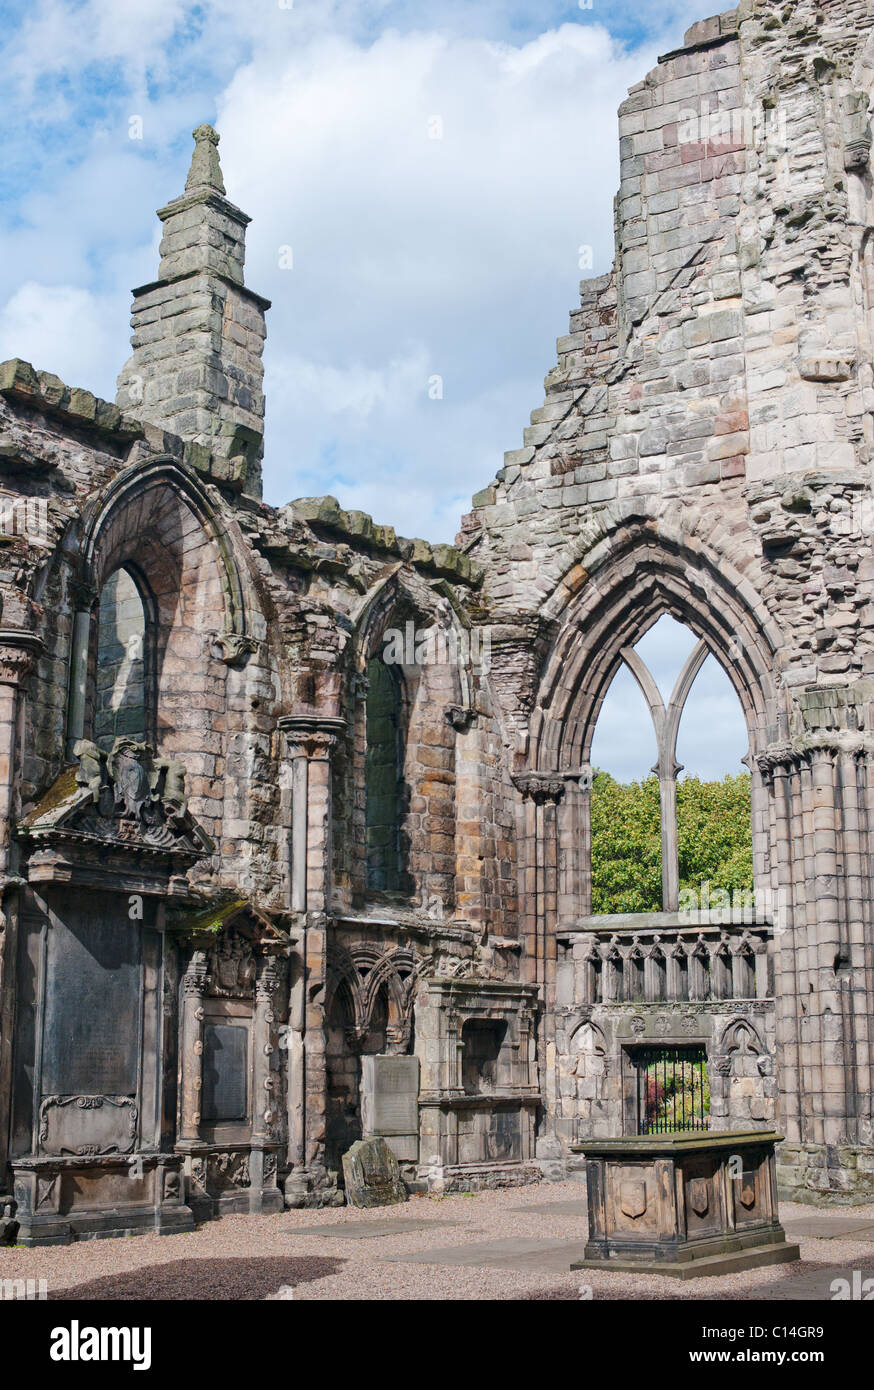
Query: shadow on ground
{"points": [[250, 1279]]}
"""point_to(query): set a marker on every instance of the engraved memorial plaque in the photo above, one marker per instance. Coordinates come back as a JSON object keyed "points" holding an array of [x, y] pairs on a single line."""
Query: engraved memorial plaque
{"points": [[225, 1068], [391, 1095], [92, 1006]]}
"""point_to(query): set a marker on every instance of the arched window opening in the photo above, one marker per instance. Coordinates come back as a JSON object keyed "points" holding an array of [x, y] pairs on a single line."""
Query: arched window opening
{"points": [[744, 968], [700, 980], [375, 1042], [384, 781], [714, 799], [124, 697], [613, 977], [634, 990], [678, 973], [626, 836], [662, 842]]}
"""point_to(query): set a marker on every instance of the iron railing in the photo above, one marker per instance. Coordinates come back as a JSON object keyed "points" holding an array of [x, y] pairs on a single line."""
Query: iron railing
{"points": [[673, 1093]]}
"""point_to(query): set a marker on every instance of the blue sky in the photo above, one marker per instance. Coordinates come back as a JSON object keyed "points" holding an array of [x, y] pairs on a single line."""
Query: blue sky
{"points": [[413, 257]]}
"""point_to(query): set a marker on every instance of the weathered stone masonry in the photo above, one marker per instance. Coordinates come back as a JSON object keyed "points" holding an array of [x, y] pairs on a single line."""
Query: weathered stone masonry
{"points": [[193, 688], [705, 450]]}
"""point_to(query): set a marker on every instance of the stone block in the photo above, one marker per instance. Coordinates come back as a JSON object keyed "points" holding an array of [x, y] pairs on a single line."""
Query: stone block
{"points": [[372, 1176]]}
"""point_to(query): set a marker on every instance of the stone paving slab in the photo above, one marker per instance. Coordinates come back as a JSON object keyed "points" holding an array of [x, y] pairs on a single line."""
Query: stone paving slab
{"points": [[829, 1227], [366, 1230], [816, 1285], [516, 1253], [571, 1208]]}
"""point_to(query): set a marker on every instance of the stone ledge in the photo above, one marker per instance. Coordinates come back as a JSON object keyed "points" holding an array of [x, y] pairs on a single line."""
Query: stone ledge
{"points": [[444, 560], [210, 274], [20, 382], [707, 33], [705, 1268]]}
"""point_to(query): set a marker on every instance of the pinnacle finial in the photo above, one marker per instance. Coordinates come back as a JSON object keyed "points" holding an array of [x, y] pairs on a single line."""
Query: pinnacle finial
{"points": [[205, 171]]}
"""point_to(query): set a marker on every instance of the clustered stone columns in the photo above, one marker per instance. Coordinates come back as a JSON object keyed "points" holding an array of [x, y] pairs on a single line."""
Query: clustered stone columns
{"points": [[538, 868], [309, 740], [822, 804], [575, 846], [18, 651]]}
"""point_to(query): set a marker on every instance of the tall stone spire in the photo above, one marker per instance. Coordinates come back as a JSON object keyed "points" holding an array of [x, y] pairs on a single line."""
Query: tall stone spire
{"points": [[198, 332]]}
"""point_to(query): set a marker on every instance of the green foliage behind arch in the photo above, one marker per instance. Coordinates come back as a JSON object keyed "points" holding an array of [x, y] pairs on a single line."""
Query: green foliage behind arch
{"points": [[715, 840]]}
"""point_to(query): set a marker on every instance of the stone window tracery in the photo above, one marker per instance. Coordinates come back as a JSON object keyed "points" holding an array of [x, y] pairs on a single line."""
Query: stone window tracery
{"points": [[667, 717]]}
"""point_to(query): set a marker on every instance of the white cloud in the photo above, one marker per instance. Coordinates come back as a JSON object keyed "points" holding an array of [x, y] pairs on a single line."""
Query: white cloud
{"points": [[357, 392], [458, 254], [63, 329]]}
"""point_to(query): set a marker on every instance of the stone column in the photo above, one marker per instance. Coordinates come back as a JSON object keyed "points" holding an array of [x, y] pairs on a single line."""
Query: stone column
{"points": [[295, 1065], [264, 1117], [84, 599], [18, 651], [789, 934], [191, 1050], [309, 741]]}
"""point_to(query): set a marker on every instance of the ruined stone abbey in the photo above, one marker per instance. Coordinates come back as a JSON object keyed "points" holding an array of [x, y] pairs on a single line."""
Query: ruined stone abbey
{"points": [[267, 886]]}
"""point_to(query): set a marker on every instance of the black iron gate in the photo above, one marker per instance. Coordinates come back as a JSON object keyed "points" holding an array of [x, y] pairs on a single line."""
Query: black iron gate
{"points": [[673, 1092]]}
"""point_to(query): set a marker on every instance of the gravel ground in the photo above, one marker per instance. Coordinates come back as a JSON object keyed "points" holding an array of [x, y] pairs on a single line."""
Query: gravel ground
{"points": [[251, 1257]]}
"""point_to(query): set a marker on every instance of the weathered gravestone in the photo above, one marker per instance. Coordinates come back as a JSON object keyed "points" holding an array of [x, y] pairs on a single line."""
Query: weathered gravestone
{"points": [[390, 1103], [372, 1176]]}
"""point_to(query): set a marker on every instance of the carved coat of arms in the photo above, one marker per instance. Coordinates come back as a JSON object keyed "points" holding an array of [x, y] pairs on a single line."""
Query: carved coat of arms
{"points": [[632, 1197]]}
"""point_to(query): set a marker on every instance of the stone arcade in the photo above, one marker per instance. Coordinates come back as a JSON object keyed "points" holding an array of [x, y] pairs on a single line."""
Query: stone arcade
{"points": [[247, 863]]}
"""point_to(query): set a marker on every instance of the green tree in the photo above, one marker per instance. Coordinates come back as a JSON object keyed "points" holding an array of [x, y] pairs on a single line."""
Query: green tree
{"points": [[714, 831]]}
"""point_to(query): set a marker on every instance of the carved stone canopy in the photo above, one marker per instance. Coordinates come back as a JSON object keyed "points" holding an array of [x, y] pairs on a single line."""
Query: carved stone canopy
{"points": [[219, 924], [127, 800]]}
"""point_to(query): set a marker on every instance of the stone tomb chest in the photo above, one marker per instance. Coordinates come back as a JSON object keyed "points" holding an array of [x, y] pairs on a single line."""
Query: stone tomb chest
{"points": [[684, 1205]]}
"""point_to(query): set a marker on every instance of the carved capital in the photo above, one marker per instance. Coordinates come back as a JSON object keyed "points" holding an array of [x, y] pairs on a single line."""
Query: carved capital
{"points": [[194, 980], [18, 652], [83, 596], [540, 787], [311, 735]]}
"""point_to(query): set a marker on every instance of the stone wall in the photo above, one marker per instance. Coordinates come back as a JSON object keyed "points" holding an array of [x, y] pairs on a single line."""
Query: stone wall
{"points": [[703, 450]]}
